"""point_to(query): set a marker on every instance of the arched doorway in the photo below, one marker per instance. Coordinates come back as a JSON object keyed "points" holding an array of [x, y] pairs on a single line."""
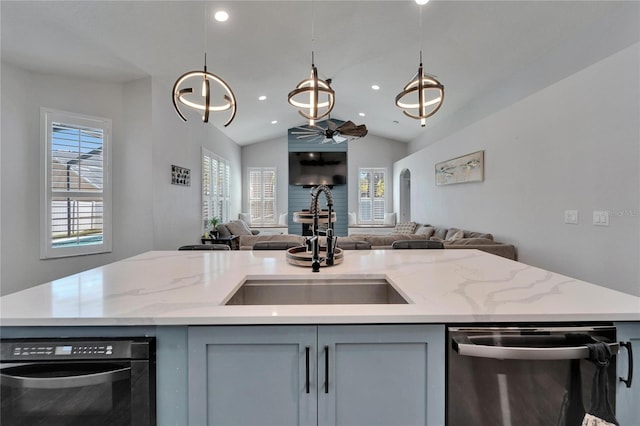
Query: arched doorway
{"points": [[405, 196]]}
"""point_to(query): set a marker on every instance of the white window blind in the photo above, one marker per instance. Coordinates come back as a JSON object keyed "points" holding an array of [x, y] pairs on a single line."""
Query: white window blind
{"points": [[262, 195], [216, 187], [76, 184], [371, 195]]}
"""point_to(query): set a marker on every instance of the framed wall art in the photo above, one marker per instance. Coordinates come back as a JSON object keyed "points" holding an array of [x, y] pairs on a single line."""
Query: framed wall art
{"points": [[467, 168], [180, 176]]}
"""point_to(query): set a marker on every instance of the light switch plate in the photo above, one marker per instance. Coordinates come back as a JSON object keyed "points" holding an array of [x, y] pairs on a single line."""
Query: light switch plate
{"points": [[571, 216], [601, 218]]}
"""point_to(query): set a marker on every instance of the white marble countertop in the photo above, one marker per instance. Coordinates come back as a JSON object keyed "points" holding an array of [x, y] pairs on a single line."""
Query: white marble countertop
{"points": [[190, 287]]}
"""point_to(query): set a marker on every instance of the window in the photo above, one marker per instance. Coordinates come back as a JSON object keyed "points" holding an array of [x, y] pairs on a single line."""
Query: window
{"points": [[262, 195], [216, 187], [371, 195], [76, 184]]}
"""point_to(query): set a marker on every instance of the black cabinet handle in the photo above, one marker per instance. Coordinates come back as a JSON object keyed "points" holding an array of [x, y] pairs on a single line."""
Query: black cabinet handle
{"points": [[326, 369], [306, 363], [627, 381]]}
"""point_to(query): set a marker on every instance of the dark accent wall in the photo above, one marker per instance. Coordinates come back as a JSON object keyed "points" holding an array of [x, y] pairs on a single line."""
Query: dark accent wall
{"points": [[300, 197]]}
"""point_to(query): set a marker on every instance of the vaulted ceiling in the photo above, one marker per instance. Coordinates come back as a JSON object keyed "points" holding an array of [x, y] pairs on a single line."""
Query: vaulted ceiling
{"points": [[265, 49]]}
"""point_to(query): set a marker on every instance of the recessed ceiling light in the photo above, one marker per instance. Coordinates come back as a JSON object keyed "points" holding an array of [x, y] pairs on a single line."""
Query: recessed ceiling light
{"points": [[221, 16], [274, 122], [421, 2], [361, 114], [262, 98], [375, 87]]}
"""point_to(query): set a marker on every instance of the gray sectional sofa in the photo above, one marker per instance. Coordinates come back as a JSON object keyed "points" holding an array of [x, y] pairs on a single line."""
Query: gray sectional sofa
{"points": [[452, 238]]}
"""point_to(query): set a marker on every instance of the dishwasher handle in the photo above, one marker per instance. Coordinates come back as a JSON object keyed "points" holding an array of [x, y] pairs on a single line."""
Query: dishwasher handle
{"points": [[464, 346], [25, 376]]}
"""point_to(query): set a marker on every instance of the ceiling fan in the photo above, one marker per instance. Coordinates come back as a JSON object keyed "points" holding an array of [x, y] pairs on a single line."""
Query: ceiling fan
{"points": [[333, 133]]}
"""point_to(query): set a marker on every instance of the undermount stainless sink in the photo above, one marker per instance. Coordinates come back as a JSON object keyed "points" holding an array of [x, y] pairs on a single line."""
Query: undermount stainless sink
{"points": [[325, 291]]}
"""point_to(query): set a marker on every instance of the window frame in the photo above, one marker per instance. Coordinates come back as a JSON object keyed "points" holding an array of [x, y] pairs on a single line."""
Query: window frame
{"points": [[48, 117], [220, 200], [372, 171], [262, 170]]}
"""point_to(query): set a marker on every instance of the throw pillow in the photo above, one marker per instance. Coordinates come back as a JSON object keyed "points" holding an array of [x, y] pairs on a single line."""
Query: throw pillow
{"points": [[427, 231], [458, 235], [246, 217], [223, 231], [405, 228], [238, 227], [389, 218]]}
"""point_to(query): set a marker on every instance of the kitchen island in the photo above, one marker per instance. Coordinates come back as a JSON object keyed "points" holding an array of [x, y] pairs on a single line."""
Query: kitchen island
{"points": [[180, 297]]}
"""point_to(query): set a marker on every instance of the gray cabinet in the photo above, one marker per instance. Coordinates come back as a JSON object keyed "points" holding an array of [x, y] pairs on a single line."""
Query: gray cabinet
{"points": [[381, 375], [628, 399], [324, 375]]}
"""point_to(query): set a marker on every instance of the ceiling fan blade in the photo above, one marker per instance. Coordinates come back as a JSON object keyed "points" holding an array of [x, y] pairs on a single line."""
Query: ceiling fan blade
{"points": [[350, 129], [339, 139], [346, 126]]}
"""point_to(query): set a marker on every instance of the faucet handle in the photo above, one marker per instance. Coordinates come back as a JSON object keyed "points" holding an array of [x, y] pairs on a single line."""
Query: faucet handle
{"points": [[308, 242]]}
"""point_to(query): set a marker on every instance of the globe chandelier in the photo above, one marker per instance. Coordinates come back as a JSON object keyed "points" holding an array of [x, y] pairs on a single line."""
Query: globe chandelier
{"points": [[307, 94], [423, 95], [214, 94]]}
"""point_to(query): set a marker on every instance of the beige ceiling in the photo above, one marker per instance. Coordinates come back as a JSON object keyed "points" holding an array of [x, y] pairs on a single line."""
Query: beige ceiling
{"points": [[265, 49]]}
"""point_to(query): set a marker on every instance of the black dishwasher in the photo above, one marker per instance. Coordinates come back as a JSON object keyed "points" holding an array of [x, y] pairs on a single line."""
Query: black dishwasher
{"points": [[74, 382]]}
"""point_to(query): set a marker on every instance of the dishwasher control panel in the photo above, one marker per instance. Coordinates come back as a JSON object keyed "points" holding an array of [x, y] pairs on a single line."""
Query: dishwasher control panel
{"points": [[68, 349], [27, 350]]}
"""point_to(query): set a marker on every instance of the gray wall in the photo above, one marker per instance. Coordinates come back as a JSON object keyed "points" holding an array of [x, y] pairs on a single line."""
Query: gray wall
{"points": [[574, 145], [270, 153], [23, 93], [148, 211], [177, 210], [370, 151]]}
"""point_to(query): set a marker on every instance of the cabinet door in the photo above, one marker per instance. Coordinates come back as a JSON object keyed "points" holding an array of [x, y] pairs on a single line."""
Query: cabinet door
{"points": [[381, 375], [251, 375], [628, 399]]}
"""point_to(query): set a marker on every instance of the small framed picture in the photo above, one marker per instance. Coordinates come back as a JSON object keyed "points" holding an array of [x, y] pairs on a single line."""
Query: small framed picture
{"points": [[180, 175]]}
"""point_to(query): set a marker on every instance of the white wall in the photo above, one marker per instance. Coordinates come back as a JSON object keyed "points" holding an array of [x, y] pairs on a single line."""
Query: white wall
{"points": [[373, 151], [574, 145], [269, 153], [177, 210], [148, 211], [23, 93]]}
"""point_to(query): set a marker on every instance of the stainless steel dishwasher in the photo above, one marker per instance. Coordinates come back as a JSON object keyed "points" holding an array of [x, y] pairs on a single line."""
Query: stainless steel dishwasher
{"points": [[522, 376]]}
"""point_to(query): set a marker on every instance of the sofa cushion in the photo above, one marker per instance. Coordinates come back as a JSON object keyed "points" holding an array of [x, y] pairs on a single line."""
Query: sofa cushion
{"points": [[238, 227], [223, 231], [246, 217], [425, 231], [454, 234], [247, 241], [470, 242], [388, 239], [390, 218], [405, 228], [471, 234], [440, 233]]}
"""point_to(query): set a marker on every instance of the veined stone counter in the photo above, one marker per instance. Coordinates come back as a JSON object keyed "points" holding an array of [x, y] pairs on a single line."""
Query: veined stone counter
{"points": [[191, 287]]}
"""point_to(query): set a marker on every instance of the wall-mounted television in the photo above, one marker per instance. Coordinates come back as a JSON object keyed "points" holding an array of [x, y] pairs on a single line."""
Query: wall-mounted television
{"points": [[316, 168]]}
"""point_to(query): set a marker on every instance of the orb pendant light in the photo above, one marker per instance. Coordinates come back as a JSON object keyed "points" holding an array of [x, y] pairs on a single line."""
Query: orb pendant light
{"points": [[185, 95], [421, 97], [307, 93]]}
